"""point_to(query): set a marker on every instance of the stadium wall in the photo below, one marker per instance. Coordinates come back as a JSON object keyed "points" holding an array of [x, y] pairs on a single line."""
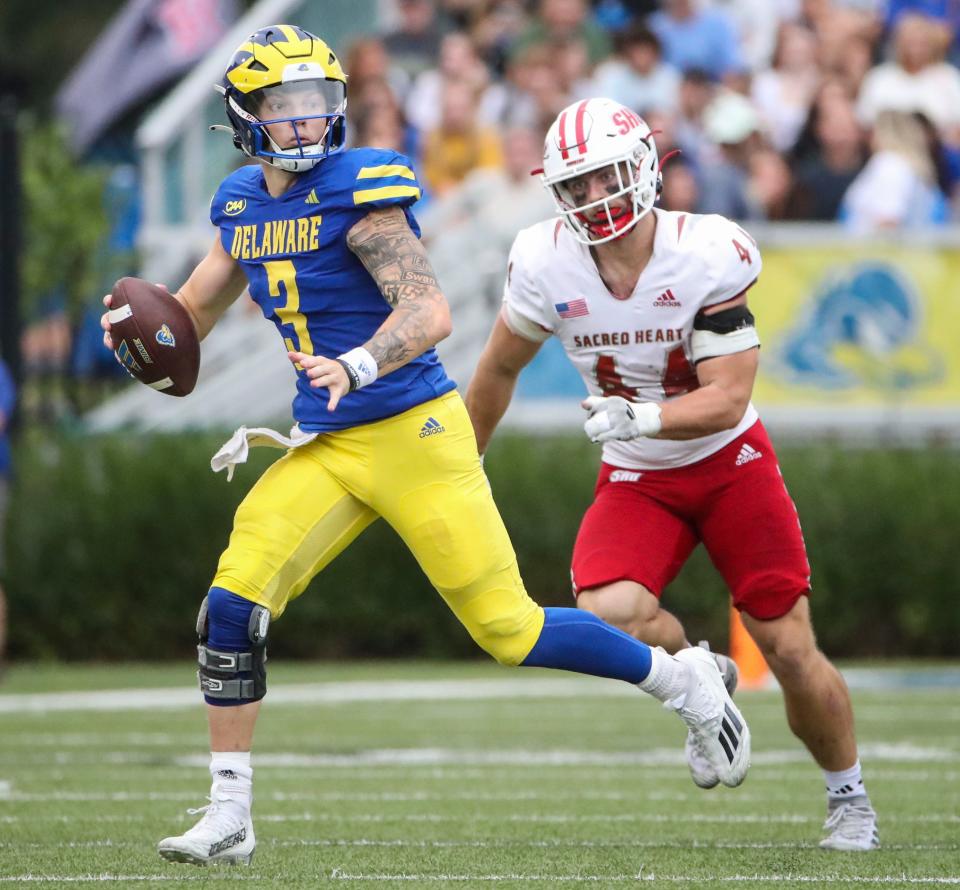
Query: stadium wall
{"points": [[115, 538]]}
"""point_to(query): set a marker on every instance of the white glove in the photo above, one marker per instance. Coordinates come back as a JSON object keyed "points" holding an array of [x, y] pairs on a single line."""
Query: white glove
{"points": [[613, 417]]}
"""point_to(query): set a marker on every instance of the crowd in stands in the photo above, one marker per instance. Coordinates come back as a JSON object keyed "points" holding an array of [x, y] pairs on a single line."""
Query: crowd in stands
{"points": [[824, 110]]}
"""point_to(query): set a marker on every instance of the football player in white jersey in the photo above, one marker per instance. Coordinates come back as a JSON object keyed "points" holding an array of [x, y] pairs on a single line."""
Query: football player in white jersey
{"points": [[651, 308]]}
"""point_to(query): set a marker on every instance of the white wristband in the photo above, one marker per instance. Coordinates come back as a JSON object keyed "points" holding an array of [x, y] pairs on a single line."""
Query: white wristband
{"points": [[361, 367], [648, 420]]}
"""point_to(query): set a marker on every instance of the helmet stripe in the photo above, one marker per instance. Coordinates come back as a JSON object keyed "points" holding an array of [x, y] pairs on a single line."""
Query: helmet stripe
{"points": [[581, 137], [289, 33], [564, 152]]}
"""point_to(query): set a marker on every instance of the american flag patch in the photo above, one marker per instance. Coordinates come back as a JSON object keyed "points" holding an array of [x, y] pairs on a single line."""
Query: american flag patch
{"points": [[573, 309]]}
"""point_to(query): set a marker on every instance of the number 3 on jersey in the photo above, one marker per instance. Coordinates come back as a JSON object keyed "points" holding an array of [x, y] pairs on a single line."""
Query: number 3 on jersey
{"points": [[282, 271]]}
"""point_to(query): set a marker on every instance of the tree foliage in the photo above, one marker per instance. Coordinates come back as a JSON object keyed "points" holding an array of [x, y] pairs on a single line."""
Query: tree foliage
{"points": [[66, 222]]}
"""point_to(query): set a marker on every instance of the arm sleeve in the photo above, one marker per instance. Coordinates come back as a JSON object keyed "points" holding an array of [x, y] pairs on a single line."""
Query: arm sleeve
{"points": [[523, 306]]}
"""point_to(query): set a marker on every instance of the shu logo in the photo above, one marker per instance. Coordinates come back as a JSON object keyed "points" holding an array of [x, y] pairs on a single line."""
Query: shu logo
{"points": [[165, 336], [625, 476], [431, 428], [666, 300], [235, 208]]}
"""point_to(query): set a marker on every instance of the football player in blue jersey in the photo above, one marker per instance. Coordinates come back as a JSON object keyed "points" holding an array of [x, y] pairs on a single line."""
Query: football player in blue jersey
{"points": [[327, 244]]}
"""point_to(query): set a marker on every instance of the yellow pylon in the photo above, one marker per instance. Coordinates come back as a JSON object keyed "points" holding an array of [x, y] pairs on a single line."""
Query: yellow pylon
{"points": [[754, 673]]}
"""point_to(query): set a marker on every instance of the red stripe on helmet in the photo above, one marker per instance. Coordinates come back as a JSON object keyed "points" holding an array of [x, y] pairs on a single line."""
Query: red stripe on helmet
{"points": [[564, 151], [581, 138]]}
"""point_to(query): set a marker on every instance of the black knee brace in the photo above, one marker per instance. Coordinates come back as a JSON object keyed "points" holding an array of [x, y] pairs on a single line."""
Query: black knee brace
{"points": [[240, 676]]}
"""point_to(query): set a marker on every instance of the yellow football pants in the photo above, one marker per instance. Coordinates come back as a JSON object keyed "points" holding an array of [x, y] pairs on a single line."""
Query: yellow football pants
{"points": [[419, 471]]}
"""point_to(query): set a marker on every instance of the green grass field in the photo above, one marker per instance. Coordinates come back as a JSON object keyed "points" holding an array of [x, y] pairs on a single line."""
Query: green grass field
{"points": [[460, 775]]}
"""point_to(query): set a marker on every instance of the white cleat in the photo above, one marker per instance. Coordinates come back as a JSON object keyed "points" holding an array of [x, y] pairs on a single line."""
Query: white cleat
{"points": [[718, 741], [223, 835], [703, 774], [727, 667], [852, 827], [701, 770]]}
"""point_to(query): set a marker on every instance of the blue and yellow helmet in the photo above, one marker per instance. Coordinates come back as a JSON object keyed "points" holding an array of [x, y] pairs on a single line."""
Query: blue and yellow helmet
{"points": [[283, 74]]}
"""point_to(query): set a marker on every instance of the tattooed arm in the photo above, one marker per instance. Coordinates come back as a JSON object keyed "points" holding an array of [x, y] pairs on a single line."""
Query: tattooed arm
{"points": [[396, 260]]}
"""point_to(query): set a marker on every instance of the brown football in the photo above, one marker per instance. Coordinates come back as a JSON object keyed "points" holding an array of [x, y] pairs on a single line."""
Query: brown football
{"points": [[154, 337]]}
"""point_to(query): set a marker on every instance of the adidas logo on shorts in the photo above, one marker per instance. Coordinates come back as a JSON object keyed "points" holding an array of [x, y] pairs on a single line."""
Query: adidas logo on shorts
{"points": [[431, 428], [747, 454]]}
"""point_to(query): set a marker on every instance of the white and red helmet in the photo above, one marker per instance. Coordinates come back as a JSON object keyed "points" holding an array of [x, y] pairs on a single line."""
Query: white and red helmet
{"points": [[595, 133]]}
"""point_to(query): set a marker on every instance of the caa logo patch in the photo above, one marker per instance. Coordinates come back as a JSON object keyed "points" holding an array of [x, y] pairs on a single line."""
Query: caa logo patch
{"points": [[165, 336], [235, 208]]}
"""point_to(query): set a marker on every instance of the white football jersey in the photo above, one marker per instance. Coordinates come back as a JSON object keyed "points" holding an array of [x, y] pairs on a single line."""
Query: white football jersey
{"points": [[638, 348]]}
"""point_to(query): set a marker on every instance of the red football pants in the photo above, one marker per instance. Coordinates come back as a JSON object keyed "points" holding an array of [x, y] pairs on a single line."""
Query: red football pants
{"points": [[644, 524]]}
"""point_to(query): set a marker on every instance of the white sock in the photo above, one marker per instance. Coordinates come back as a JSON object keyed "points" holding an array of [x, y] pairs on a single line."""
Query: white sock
{"points": [[232, 775], [668, 678], [845, 784]]}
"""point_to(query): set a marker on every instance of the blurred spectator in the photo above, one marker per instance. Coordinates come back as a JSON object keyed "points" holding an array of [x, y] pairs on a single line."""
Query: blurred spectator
{"points": [[946, 11], [367, 60], [458, 60], [680, 189], [563, 20], [697, 38], [7, 402], [478, 202], [637, 76], [757, 23], [852, 65], [385, 127], [459, 143], [532, 95], [376, 100], [834, 157], [782, 94], [769, 186], [918, 79], [838, 29], [496, 27], [415, 43], [897, 188], [696, 93], [571, 62], [732, 124]]}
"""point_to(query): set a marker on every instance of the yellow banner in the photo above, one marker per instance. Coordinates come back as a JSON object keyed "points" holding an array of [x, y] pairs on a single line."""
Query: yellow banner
{"points": [[858, 325]]}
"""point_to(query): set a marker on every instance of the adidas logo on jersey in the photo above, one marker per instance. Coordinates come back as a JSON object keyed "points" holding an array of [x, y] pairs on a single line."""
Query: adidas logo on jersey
{"points": [[312, 197], [748, 454], [666, 300], [431, 428]]}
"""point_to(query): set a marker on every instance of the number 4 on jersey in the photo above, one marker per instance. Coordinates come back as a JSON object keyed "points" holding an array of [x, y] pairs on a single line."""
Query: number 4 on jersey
{"points": [[742, 251], [609, 379]]}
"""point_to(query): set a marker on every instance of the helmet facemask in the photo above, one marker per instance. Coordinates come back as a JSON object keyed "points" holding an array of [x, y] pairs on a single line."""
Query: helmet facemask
{"points": [[637, 179], [284, 109]]}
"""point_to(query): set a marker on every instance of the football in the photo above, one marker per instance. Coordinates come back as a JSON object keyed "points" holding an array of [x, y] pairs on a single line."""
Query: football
{"points": [[154, 337]]}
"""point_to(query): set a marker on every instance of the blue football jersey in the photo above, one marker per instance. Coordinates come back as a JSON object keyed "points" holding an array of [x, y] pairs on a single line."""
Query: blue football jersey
{"points": [[293, 250]]}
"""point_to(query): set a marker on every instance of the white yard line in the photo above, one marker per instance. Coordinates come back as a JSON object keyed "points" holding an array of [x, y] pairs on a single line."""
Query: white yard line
{"points": [[641, 876], [516, 686]]}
